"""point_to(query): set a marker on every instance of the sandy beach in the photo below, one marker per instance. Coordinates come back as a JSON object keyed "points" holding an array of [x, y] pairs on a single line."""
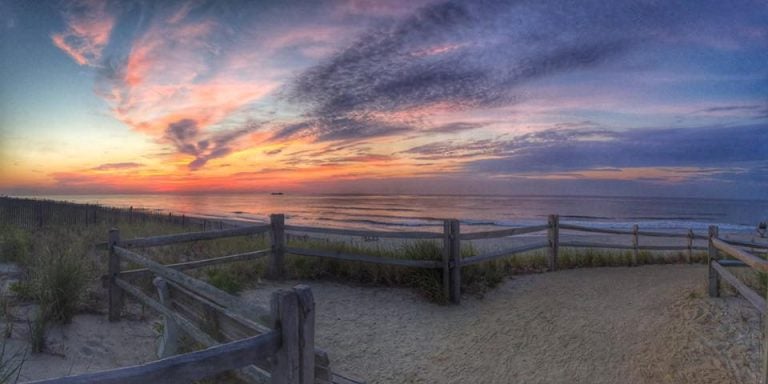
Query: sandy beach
{"points": [[648, 324]]}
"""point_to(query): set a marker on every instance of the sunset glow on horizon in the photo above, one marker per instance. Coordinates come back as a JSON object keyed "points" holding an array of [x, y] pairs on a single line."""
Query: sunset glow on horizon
{"points": [[627, 97]]}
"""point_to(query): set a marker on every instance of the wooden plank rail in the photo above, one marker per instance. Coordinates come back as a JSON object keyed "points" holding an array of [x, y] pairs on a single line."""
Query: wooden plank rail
{"points": [[751, 260], [586, 244], [134, 273], [751, 296], [187, 367], [245, 325], [595, 230], [353, 232], [157, 241], [364, 258], [745, 244], [199, 336], [503, 232], [232, 303], [503, 253]]}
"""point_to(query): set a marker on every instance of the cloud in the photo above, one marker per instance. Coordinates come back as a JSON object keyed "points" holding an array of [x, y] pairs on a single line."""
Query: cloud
{"points": [[466, 55], [675, 147], [88, 27], [187, 138], [340, 129], [506, 146], [117, 166], [459, 126]]}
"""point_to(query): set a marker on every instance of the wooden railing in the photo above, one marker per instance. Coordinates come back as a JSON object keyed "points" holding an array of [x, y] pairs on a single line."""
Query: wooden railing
{"points": [[740, 258], [287, 348], [193, 305], [452, 238], [186, 302]]}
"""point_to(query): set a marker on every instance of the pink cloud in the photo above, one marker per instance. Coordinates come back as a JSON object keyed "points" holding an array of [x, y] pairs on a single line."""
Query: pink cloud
{"points": [[89, 26]]}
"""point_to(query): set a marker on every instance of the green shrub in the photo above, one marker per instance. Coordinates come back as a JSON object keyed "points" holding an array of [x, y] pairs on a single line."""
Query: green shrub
{"points": [[224, 279], [59, 274], [15, 244]]}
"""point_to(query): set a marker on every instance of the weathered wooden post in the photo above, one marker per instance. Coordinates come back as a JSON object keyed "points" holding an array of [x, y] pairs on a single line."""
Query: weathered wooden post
{"points": [[169, 343], [635, 244], [689, 254], [306, 333], [447, 247], [714, 277], [553, 234], [115, 293], [286, 362], [455, 294], [277, 257]]}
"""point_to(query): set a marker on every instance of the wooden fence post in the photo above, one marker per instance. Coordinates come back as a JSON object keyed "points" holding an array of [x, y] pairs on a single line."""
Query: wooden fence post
{"points": [[277, 257], [286, 362], [306, 333], [115, 293], [169, 343], [689, 254], [447, 246], [635, 244], [554, 240], [714, 277], [455, 294]]}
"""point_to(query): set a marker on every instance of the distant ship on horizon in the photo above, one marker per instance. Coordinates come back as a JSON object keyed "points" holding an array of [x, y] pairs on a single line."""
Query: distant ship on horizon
{"points": [[277, 193]]}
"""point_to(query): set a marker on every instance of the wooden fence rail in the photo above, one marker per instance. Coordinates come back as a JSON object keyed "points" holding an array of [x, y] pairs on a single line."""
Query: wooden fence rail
{"points": [[287, 348], [718, 271]]}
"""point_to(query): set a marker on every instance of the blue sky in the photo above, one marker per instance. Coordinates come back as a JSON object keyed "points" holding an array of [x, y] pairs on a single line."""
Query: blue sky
{"points": [[532, 97]]}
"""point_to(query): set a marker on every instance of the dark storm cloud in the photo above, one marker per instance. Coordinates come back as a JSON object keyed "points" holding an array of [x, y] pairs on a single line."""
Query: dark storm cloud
{"points": [[468, 54], [694, 147], [186, 137]]}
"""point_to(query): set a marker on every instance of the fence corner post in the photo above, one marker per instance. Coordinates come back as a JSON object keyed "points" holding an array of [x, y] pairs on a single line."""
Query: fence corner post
{"points": [[115, 293], [553, 232], [277, 256], [285, 362], [447, 244], [714, 277], [455, 293]]}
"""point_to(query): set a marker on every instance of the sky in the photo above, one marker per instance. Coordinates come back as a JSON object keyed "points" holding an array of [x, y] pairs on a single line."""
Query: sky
{"points": [[626, 97]]}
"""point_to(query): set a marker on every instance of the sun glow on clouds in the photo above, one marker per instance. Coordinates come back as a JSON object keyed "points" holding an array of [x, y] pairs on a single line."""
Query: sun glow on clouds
{"points": [[260, 96]]}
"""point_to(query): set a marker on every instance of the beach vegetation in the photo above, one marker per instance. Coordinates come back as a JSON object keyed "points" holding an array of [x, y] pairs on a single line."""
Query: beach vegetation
{"points": [[15, 244], [10, 364]]}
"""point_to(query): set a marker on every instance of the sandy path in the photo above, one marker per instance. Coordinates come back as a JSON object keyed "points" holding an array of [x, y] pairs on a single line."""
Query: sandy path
{"points": [[649, 324]]}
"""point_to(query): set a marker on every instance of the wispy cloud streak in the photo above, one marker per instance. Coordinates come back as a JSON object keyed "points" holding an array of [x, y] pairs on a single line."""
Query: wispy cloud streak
{"points": [[89, 26]]}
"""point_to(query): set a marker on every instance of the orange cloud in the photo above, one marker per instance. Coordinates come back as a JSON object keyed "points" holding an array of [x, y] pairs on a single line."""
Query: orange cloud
{"points": [[89, 26]]}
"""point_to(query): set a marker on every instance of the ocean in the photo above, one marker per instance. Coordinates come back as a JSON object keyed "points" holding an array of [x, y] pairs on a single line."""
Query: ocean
{"points": [[476, 212]]}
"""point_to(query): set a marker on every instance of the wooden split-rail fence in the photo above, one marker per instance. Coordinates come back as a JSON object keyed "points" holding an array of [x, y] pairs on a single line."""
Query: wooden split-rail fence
{"points": [[273, 340], [728, 253]]}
